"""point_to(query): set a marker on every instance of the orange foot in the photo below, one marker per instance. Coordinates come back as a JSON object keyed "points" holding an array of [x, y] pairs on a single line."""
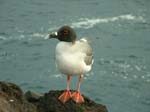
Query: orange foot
{"points": [[77, 97], [65, 96]]}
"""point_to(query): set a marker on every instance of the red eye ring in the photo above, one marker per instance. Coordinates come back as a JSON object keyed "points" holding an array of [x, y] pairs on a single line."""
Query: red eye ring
{"points": [[65, 32]]}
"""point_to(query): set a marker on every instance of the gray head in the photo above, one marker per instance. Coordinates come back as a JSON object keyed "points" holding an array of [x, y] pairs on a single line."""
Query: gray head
{"points": [[65, 33]]}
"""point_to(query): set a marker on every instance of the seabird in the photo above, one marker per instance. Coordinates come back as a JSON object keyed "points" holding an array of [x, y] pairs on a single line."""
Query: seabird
{"points": [[73, 58]]}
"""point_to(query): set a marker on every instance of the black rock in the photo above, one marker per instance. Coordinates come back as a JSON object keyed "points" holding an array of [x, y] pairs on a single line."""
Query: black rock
{"points": [[32, 96], [12, 99], [50, 103]]}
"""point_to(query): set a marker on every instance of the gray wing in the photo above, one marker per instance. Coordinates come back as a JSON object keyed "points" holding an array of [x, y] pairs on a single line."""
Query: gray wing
{"points": [[87, 49], [89, 56]]}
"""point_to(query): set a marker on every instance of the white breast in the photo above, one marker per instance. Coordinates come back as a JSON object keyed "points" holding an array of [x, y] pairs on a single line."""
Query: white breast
{"points": [[70, 60]]}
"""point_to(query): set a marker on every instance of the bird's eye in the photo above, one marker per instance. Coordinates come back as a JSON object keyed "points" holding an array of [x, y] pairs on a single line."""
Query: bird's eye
{"points": [[65, 32]]}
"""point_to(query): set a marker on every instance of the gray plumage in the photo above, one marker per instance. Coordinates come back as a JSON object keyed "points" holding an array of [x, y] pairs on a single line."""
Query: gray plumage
{"points": [[86, 48]]}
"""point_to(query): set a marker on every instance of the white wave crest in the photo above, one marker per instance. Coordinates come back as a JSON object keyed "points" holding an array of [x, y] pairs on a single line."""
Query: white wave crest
{"points": [[56, 76], [38, 35], [89, 23], [2, 38]]}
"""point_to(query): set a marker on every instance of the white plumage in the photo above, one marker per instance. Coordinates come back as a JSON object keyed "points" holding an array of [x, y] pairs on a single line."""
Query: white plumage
{"points": [[70, 57]]}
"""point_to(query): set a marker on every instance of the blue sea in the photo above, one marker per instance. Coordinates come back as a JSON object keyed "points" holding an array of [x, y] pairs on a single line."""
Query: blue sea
{"points": [[120, 34]]}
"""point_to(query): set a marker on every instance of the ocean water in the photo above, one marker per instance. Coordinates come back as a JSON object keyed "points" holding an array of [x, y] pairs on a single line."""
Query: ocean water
{"points": [[120, 34]]}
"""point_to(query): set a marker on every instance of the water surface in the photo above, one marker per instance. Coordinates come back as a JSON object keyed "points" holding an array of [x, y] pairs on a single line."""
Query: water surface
{"points": [[119, 30]]}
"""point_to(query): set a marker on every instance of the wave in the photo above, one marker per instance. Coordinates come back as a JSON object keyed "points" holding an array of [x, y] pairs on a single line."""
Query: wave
{"points": [[90, 23], [56, 76], [87, 23], [2, 38], [84, 23], [38, 35]]}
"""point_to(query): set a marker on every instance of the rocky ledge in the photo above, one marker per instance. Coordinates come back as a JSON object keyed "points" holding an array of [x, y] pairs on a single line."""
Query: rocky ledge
{"points": [[12, 99]]}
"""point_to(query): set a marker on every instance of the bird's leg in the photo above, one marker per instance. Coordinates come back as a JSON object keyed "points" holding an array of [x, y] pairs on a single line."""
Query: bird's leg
{"points": [[76, 96], [66, 95]]}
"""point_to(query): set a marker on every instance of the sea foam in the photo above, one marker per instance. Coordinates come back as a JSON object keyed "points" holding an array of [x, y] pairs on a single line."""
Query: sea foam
{"points": [[2, 38], [87, 23]]}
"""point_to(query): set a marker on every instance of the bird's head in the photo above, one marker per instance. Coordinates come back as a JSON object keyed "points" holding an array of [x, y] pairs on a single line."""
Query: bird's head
{"points": [[65, 33]]}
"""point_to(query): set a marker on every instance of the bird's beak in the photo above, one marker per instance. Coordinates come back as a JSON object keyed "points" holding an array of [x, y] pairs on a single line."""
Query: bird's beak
{"points": [[52, 35]]}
